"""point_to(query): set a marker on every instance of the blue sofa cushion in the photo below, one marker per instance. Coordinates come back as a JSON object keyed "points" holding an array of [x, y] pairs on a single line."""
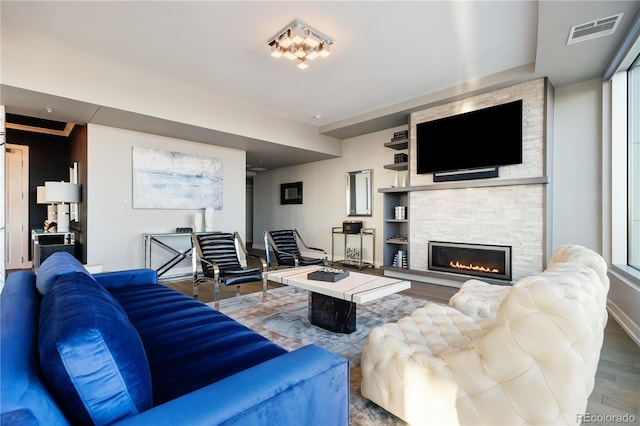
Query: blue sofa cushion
{"points": [[91, 356], [58, 264], [188, 344]]}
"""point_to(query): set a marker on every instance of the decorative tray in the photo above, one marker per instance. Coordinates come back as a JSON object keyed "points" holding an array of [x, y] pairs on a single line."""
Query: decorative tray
{"points": [[328, 274]]}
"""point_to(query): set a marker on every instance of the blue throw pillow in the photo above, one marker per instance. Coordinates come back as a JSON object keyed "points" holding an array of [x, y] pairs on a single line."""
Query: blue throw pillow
{"points": [[90, 354], [59, 263]]}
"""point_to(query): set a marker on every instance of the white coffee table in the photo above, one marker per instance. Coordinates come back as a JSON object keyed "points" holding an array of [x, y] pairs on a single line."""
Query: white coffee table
{"points": [[333, 305]]}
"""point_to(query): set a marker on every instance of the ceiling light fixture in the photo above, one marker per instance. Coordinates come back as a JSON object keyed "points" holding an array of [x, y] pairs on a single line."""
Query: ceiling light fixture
{"points": [[298, 41]]}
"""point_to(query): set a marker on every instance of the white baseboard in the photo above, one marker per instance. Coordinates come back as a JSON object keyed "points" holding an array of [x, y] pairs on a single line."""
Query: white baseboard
{"points": [[631, 328]]}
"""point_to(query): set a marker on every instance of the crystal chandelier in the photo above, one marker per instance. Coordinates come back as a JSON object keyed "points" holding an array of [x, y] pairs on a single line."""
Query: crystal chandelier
{"points": [[300, 43]]}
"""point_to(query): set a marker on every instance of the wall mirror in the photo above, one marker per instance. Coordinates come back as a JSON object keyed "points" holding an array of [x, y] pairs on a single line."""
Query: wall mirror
{"points": [[359, 192]]}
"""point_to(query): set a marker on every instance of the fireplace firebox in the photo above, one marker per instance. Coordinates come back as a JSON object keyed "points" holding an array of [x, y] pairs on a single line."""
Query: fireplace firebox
{"points": [[478, 260]]}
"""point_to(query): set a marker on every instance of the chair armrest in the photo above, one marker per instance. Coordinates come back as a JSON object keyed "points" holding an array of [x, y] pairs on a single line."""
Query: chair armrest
{"points": [[295, 256], [128, 277], [315, 248], [263, 262], [214, 266], [307, 386]]}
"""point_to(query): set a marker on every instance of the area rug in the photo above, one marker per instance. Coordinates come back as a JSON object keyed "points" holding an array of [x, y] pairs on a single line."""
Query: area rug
{"points": [[283, 320]]}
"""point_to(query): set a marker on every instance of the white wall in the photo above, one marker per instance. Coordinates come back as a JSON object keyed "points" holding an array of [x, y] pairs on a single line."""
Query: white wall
{"points": [[577, 170], [114, 228], [78, 76], [324, 195]]}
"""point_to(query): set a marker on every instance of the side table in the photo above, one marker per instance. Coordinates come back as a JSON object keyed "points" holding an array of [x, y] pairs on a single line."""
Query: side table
{"points": [[44, 244], [364, 232]]}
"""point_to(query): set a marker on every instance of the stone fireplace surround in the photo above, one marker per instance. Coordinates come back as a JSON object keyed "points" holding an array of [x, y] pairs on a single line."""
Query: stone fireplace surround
{"points": [[509, 210]]}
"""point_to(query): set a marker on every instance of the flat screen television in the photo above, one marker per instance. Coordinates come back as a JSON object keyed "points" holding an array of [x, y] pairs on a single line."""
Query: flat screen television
{"points": [[488, 137]]}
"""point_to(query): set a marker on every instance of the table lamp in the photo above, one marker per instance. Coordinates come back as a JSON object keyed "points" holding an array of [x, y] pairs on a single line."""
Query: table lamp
{"points": [[41, 198], [62, 192]]}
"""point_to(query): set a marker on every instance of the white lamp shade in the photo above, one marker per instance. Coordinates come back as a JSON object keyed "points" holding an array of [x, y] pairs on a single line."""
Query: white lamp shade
{"points": [[62, 192], [40, 195]]}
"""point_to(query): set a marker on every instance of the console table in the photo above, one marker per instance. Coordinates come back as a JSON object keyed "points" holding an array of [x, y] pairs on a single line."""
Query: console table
{"points": [[364, 232], [160, 240]]}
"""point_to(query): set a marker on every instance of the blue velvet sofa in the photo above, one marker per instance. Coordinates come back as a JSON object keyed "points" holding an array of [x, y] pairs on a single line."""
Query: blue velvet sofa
{"points": [[119, 348]]}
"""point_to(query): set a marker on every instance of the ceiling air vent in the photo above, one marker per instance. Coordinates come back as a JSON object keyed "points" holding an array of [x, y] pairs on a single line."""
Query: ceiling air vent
{"points": [[598, 28]]}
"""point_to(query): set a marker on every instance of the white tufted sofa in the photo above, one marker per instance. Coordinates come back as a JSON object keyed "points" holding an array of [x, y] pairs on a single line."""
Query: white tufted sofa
{"points": [[528, 355]]}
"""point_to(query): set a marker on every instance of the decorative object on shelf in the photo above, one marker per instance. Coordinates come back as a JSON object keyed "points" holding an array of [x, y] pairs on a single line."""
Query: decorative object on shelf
{"points": [[291, 193], [400, 158], [62, 193], [400, 136], [186, 230], [328, 274], [400, 212], [50, 226], [352, 255], [299, 42], [208, 219], [400, 259], [198, 221], [395, 181], [352, 226]]}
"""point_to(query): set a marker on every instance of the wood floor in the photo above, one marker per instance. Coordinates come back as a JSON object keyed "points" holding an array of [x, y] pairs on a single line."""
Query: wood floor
{"points": [[617, 387]]}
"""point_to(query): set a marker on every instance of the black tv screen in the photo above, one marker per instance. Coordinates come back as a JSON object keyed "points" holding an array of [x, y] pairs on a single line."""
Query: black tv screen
{"points": [[483, 138]]}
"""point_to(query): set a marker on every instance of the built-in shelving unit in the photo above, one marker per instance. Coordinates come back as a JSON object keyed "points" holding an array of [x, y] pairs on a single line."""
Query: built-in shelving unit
{"points": [[396, 226]]}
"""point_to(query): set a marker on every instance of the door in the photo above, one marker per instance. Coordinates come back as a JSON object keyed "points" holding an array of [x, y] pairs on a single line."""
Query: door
{"points": [[17, 207]]}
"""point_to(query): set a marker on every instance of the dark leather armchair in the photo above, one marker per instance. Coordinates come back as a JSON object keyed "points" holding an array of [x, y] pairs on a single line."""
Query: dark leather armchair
{"points": [[284, 244], [218, 255]]}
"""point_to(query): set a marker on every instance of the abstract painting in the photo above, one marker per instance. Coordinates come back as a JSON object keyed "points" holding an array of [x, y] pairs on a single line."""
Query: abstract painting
{"points": [[174, 180]]}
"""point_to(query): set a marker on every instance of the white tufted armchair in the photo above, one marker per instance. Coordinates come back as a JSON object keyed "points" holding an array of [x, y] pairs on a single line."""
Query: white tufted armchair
{"points": [[532, 361]]}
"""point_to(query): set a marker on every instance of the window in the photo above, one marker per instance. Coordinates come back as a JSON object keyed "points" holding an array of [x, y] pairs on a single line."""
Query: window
{"points": [[633, 249]]}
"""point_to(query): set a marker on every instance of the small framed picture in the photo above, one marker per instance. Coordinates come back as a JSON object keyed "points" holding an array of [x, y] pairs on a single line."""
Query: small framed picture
{"points": [[291, 193]]}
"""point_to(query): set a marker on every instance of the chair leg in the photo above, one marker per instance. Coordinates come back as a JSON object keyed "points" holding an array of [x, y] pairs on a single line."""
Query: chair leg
{"points": [[237, 290], [216, 295], [195, 289], [264, 289]]}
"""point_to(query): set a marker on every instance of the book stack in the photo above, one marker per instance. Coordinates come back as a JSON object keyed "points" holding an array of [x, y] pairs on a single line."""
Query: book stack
{"points": [[400, 259], [400, 136], [400, 212], [400, 158]]}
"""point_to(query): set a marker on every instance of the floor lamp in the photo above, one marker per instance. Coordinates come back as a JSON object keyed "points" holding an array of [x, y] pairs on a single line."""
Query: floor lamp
{"points": [[62, 192]]}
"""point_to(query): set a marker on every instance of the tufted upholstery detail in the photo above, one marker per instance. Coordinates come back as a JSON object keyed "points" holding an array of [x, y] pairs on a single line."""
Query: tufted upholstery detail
{"points": [[533, 362], [479, 299]]}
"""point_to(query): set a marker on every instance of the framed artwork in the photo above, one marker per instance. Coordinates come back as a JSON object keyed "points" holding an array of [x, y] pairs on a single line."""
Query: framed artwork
{"points": [[175, 180], [291, 193]]}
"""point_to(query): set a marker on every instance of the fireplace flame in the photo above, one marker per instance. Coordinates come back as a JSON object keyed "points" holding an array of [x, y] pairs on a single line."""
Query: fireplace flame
{"points": [[472, 267]]}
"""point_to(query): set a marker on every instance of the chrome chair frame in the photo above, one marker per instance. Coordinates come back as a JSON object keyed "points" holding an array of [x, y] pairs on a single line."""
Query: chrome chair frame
{"points": [[218, 271], [270, 245]]}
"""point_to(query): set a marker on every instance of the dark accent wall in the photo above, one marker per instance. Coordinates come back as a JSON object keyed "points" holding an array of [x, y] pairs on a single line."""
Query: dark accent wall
{"points": [[49, 159]]}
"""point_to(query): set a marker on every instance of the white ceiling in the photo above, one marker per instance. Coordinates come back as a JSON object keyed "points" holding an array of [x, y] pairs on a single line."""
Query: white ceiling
{"points": [[388, 57]]}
